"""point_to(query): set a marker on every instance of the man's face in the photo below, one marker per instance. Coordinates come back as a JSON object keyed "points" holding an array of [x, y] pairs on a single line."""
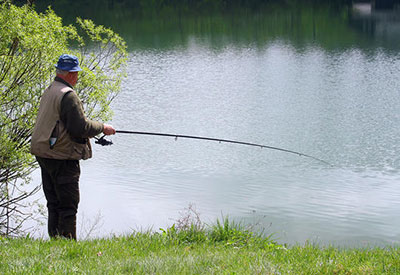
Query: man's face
{"points": [[73, 78]]}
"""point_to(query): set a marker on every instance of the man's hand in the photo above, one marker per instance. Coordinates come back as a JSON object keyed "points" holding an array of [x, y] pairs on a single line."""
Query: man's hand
{"points": [[108, 130]]}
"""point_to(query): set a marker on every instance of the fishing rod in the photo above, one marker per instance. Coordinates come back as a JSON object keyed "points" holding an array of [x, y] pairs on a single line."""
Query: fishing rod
{"points": [[102, 141]]}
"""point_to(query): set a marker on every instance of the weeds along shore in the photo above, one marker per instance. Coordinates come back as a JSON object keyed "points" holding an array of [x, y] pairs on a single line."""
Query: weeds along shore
{"points": [[223, 248]]}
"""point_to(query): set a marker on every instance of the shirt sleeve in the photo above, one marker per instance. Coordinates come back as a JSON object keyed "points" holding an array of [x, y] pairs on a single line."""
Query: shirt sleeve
{"points": [[74, 119]]}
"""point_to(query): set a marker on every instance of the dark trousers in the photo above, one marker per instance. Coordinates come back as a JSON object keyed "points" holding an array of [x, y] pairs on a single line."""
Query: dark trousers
{"points": [[60, 180]]}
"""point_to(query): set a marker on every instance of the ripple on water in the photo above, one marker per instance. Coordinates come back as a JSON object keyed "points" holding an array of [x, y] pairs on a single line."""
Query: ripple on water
{"points": [[341, 107]]}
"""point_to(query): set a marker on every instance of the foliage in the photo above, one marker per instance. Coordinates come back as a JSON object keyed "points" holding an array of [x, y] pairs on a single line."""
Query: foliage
{"points": [[155, 253], [226, 233], [148, 7], [236, 235], [30, 44], [172, 24]]}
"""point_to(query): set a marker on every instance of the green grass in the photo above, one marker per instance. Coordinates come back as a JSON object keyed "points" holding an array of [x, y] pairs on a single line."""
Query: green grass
{"points": [[225, 248]]}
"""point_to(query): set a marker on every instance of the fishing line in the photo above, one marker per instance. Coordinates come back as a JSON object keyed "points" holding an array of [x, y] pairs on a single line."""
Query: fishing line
{"points": [[102, 141]]}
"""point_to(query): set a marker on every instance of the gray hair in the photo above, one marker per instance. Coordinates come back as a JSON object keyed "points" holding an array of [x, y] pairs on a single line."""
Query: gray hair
{"points": [[58, 71]]}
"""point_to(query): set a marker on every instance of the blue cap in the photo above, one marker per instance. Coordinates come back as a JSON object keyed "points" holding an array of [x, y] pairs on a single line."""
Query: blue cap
{"points": [[68, 63]]}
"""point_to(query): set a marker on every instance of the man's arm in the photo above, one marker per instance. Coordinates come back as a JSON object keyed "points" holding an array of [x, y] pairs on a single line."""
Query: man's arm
{"points": [[75, 121]]}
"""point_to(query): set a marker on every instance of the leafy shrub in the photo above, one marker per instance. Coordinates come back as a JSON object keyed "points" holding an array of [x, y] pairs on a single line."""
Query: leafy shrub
{"points": [[30, 44]]}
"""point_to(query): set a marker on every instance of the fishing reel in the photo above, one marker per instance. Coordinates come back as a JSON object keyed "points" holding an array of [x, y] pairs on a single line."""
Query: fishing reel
{"points": [[102, 141]]}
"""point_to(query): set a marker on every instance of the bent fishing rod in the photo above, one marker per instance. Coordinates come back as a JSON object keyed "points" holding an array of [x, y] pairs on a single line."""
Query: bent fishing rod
{"points": [[102, 141]]}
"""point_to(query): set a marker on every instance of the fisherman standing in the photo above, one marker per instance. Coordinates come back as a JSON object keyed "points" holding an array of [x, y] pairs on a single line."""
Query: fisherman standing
{"points": [[60, 139]]}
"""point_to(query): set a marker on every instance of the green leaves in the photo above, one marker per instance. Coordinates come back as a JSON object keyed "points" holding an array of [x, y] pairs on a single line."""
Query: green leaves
{"points": [[30, 44], [103, 57]]}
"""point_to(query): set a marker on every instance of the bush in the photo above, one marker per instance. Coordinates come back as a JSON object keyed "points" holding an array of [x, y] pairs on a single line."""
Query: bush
{"points": [[30, 44]]}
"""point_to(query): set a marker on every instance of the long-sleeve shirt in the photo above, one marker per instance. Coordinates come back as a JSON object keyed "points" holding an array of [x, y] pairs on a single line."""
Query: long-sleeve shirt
{"points": [[74, 119]]}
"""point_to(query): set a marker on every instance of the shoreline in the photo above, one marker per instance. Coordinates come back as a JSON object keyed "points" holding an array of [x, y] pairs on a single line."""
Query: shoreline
{"points": [[225, 247]]}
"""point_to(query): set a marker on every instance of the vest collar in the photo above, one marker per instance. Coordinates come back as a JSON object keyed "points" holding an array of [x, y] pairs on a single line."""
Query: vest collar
{"points": [[59, 79]]}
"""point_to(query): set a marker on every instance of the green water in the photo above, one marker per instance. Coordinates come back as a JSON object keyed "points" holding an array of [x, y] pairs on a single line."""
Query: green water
{"points": [[319, 79]]}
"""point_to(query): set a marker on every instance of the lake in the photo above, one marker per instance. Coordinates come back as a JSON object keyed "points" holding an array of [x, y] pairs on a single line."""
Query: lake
{"points": [[322, 80]]}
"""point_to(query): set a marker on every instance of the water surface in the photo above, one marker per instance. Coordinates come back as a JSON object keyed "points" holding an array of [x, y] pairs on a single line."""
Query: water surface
{"points": [[330, 91]]}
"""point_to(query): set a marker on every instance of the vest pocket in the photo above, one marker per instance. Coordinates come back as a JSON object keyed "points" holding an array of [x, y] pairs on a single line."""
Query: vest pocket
{"points": [[82, 151], [54, 135]]}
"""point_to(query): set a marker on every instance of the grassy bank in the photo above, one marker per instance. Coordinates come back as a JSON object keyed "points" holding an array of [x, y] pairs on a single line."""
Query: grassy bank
{"points": [[224, 248]]}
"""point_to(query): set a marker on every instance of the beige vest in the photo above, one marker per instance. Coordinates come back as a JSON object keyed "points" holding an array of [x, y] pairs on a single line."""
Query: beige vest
{"points": [[47, 120]]}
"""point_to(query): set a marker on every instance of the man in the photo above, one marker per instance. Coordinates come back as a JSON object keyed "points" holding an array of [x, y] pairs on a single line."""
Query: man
{"points": [[60, 139]]}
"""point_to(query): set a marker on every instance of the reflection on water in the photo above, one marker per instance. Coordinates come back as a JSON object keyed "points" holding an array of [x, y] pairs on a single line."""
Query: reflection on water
{"points": [[382, 25], [334, 98]]}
